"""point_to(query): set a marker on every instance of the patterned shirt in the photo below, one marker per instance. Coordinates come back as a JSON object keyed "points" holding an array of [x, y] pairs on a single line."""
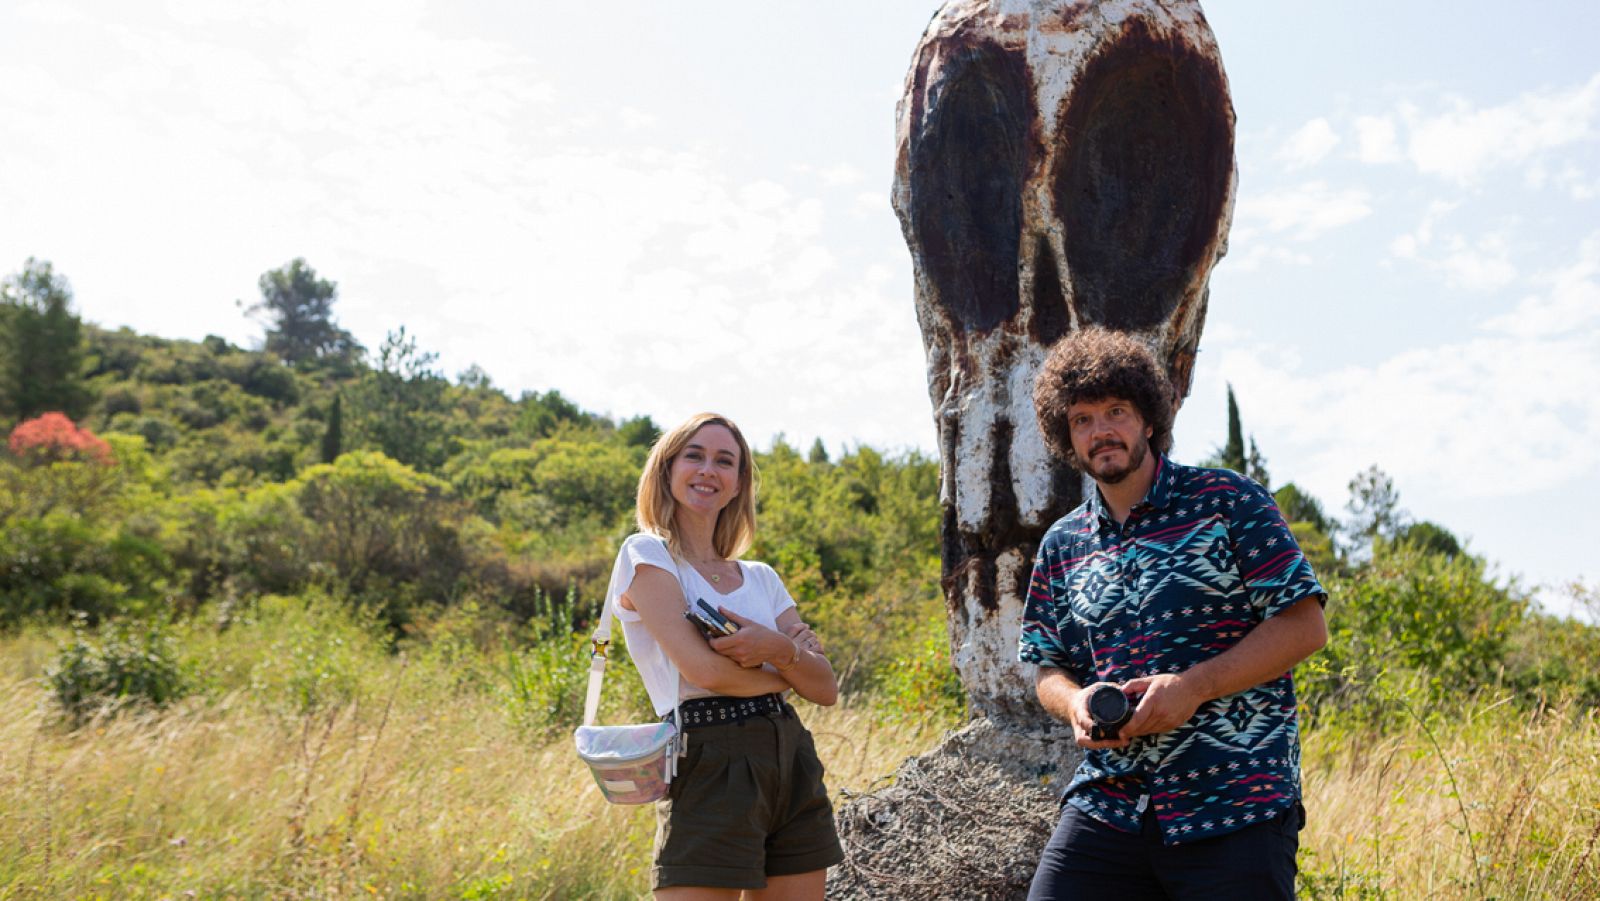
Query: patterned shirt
{"points": [[1203, 558]]}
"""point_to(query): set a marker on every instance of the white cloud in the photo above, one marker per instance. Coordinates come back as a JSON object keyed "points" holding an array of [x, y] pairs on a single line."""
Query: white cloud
{"points": [[869, 203], [635, 119], [1579, 185], [1308, 145], [1482, 264], [1573, 301], [1375, 140], [1305, 211], [1464, 142], [1249, 253], [1514, 412], [840, 174]]}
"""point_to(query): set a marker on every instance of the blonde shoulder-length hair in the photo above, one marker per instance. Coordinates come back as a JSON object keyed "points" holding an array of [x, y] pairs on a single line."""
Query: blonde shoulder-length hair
{"points": [[736, 524]]}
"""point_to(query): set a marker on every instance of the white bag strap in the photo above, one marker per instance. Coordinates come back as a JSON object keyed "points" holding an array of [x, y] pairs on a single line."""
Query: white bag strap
{"points": [[600, 641]]}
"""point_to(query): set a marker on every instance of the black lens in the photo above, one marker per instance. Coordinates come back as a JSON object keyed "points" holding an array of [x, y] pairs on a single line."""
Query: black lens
{"points": [[1108, 705]]}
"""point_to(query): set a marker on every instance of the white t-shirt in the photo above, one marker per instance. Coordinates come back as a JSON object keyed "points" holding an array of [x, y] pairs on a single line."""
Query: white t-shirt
{"points": [[761, 598]]}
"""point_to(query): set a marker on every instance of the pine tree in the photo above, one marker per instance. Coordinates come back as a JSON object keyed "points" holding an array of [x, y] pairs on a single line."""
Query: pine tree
{"points": [[41, 346], [299, 309]]}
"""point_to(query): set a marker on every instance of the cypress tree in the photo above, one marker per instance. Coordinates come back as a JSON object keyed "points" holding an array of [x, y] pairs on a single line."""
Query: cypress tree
{"points": [[333, 438], [1233, 453]]}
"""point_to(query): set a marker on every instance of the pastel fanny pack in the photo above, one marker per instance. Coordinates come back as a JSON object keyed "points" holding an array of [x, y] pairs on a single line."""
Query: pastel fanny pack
{"points": [[631, 764]]}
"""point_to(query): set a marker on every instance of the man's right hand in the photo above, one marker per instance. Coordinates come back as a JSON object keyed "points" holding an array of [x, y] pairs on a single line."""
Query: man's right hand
{"points": [[1083, 723], [1066, 701]]}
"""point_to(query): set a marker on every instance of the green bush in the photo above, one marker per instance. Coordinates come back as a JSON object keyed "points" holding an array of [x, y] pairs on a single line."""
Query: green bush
{"points": [[543, 685], [922, 686], [297, 655], [129, 662], [62, 563], [1411, 613], [383, 531]]}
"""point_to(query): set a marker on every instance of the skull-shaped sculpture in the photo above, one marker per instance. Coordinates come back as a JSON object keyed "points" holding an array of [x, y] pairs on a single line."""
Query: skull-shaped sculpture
{"points": [[1060, 164]]}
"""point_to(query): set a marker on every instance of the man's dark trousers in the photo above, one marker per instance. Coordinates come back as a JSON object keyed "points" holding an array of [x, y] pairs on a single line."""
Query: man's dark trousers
{"points": [[1086, 860]]}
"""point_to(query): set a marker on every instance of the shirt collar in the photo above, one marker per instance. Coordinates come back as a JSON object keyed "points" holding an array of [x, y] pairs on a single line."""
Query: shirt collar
{"points": [[1159, 497]]}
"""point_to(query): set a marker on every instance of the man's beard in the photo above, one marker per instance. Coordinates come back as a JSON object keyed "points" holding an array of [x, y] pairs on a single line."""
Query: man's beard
{"points": [[1111, 474]]}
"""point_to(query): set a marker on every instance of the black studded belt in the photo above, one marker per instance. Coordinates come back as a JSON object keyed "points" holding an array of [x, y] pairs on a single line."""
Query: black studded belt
{"points": [[715, 711]]}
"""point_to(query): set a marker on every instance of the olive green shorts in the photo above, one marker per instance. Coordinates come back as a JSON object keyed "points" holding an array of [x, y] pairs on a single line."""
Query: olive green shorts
{"points": [[748, 803]]}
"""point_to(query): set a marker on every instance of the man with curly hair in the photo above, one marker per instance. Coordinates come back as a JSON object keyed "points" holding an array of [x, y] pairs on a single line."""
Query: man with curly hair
{"points": [[1182, 590]]}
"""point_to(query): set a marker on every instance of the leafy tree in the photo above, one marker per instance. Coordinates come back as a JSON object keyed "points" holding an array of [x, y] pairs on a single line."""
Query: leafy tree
{"points": [[1374, 506], [298, 307], [818, 453], [1410, 613], [1313, 529], [474, 378], [540, 414], [639, 432], [1299, 506], [41, 346], [1255, 466], [1429, 537], [400, 405], [383, 529]]}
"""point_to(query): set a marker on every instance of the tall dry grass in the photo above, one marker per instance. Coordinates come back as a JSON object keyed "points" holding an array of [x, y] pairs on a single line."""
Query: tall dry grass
{"points": [[405, 796], [418, 782], [1489, 802]]}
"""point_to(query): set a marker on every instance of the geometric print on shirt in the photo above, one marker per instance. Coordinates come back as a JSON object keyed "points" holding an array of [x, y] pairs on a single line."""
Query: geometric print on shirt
{"points": [[1200, 561]]}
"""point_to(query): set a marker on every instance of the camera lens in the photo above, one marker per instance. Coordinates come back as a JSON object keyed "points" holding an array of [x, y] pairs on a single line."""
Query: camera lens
{"points": [[1108, 706]]}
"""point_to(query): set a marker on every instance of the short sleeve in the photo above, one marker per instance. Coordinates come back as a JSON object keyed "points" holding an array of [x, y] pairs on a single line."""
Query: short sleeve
{"points": [[1041, 641], [777, 595], [638, 550], [1276, 574]]}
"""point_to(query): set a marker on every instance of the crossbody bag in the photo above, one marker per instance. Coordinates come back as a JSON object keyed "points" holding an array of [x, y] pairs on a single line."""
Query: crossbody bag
{"points": [[631, 764]]}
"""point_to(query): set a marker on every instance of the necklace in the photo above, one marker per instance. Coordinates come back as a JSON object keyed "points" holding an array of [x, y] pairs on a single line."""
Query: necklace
{"points": [[716, 578]]}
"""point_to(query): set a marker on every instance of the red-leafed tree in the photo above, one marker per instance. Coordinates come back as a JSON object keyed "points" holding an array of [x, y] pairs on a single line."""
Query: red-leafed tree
{"points": [[52, 437]]}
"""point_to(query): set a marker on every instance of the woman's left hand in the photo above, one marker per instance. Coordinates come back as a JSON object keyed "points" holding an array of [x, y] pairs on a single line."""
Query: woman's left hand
{"points": [[804, 637], [754, 644]]}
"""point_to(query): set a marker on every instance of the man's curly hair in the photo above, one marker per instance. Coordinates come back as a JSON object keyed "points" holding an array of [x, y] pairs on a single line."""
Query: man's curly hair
{"points": [[1097, 364]]}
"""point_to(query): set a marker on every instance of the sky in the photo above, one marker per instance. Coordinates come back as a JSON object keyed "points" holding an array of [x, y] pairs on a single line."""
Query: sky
{"points": [[667, 207]]}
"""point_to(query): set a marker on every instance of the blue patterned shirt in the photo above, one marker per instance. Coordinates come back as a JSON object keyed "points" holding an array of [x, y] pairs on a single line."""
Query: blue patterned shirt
{"points": [[1202, 559]]}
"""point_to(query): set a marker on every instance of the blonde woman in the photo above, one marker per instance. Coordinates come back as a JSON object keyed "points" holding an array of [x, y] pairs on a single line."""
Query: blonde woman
{"points": [[748, 812]]}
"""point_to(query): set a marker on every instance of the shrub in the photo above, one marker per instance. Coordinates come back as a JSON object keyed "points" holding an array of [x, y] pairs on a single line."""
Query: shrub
{"points": [[543, 686], [297, 655], [1408, 614], [383, 530], [121, 400], [129, 662], [62, 563], [923, 686]]}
